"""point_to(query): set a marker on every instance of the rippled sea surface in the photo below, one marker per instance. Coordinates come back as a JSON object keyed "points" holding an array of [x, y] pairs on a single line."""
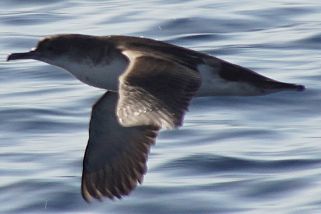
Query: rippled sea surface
{"points": [[233, 155]]}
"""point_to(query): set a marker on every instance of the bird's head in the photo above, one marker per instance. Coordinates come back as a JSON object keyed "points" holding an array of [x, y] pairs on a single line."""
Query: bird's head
{"points": [[63, 50]]}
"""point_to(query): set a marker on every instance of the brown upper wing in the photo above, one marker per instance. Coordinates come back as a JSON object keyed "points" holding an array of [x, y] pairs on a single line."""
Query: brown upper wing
{"points": [[155, 91]]}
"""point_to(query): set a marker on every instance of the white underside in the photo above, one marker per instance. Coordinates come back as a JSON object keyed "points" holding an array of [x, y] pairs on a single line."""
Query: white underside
{"points": [[104, 76], [213, 85]]}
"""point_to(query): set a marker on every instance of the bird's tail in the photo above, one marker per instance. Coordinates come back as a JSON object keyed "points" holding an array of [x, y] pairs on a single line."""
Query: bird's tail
{"points": [[274, 86]]}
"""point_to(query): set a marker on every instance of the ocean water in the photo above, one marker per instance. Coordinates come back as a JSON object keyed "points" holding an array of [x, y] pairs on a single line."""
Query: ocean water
{"points": [[233, 154]]}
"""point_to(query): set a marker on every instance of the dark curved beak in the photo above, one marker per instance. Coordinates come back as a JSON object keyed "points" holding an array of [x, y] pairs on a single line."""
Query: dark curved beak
{"points": [[26, 55]]}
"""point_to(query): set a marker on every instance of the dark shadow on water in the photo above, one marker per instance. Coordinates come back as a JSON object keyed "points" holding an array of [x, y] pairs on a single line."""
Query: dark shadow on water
{"points": [[207, 163]]}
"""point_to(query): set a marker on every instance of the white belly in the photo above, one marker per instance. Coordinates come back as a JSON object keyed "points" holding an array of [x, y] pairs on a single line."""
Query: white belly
{"points": [[214, 85], [101, 75]]}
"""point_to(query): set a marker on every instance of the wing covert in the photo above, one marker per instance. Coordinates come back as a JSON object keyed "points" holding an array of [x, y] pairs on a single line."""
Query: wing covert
{"points": [[155, 91]]}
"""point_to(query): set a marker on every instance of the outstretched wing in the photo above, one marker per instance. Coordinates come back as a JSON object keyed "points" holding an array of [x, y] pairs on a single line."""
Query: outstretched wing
{"points": [[155, 91], [115, 157]]}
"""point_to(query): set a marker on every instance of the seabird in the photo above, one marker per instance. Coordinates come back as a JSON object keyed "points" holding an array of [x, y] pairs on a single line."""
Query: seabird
{"points": [[150, 84]]}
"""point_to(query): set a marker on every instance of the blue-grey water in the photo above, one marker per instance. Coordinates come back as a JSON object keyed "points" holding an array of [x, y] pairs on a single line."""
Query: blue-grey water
{"points": [[233, 155]]}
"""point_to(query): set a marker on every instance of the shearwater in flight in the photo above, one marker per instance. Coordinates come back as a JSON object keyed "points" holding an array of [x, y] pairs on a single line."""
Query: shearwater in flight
{"points": [[150, 84]]}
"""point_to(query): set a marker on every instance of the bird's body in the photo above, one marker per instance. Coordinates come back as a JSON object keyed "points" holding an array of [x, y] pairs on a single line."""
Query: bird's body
{"points": [[113, 54], [153, 83]]}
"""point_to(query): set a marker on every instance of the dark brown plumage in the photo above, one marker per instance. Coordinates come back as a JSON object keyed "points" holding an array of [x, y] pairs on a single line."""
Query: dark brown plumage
{"points": [[116, 156], [155, 82]]}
